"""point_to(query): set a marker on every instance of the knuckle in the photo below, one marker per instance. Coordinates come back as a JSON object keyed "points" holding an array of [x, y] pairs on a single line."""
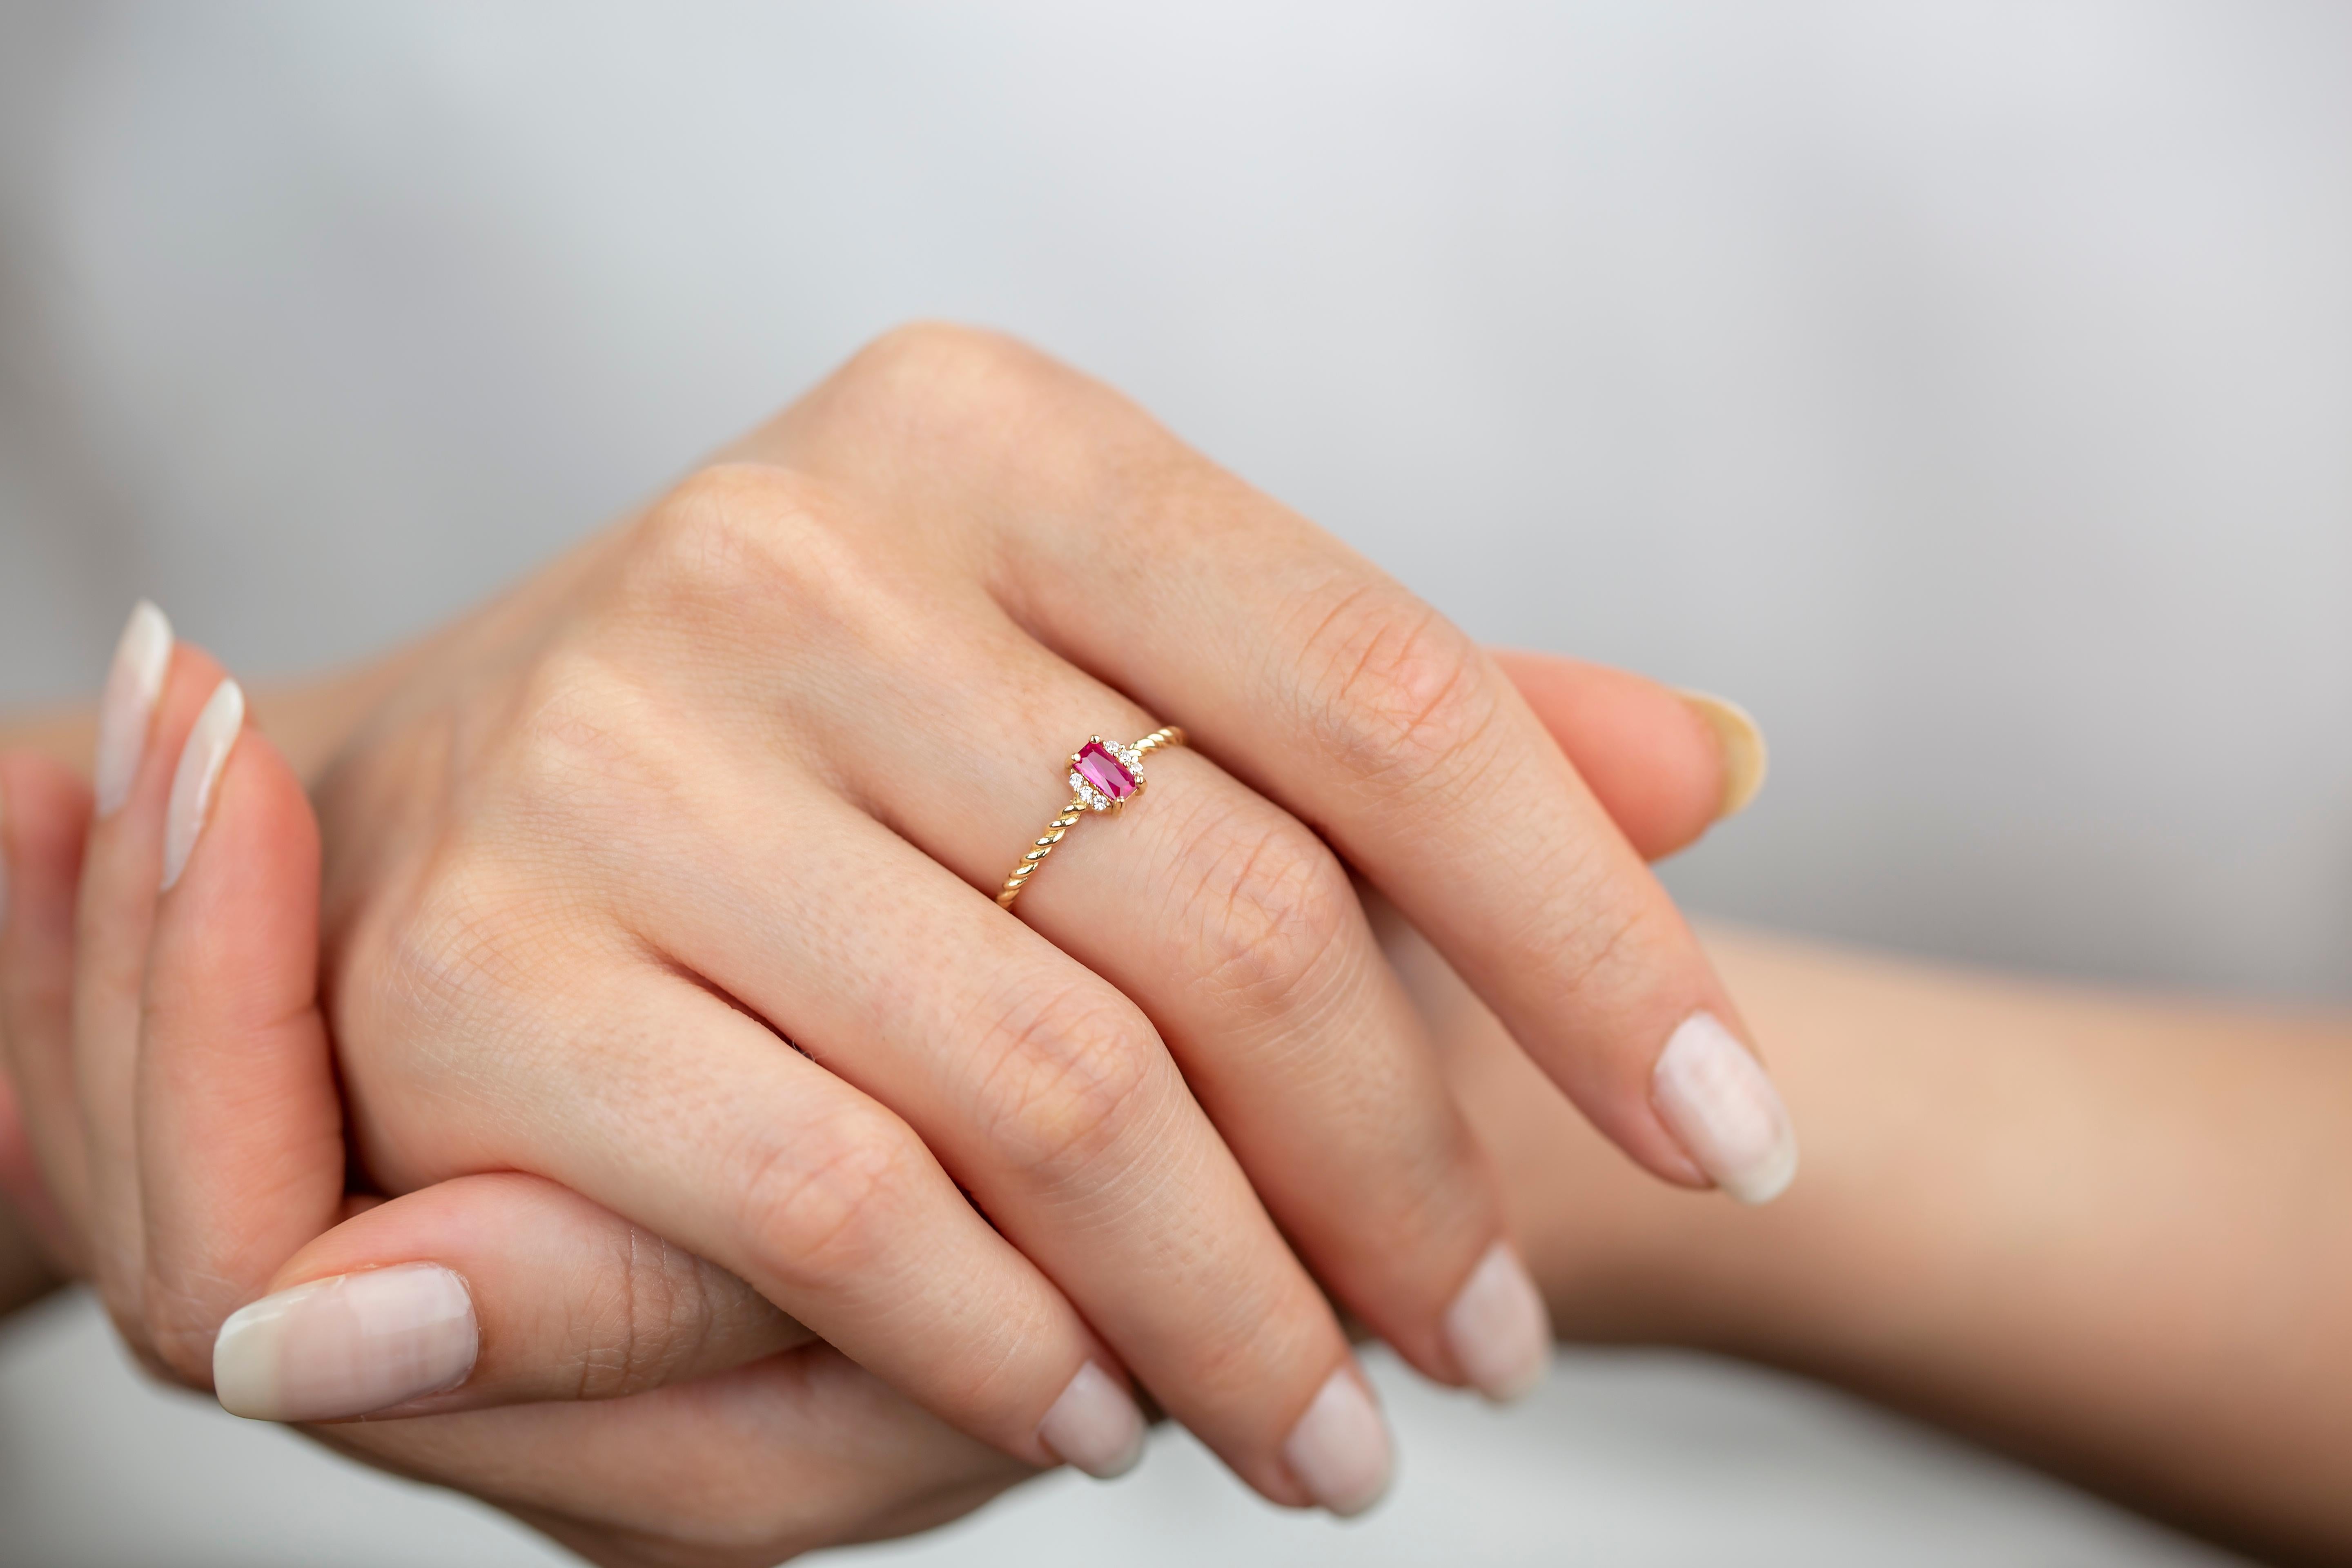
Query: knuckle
{"points": [[828, 1203], [1399, 695], [175, 1338], [764, 551], [987, 406], [731, 531], [923, 360], [1071, 1072], [453, 973], [1270, 911], [577, 728], [652, 1318]]}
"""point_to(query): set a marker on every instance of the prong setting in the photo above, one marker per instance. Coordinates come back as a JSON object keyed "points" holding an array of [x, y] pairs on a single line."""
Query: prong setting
{"points": [[1096, 785]]}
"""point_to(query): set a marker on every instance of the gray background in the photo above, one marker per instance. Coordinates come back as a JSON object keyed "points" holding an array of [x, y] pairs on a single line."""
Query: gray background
{"points": [[1963, 386]]}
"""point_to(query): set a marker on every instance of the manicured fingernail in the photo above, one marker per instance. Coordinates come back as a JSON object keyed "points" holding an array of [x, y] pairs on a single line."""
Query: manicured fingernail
{"points": [[136, 679], [1339, 1449], [1498, 1327], [1094, 1426], [347, 1346], [201, 761], [1717, 1097], [1745, 759]]}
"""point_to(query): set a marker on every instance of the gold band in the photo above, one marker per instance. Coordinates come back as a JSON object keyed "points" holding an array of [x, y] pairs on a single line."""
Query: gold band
{"points": [[1094, 786]]}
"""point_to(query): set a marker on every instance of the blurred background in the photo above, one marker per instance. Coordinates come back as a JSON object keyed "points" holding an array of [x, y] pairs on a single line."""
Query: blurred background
{"points": [[1963, 386]]}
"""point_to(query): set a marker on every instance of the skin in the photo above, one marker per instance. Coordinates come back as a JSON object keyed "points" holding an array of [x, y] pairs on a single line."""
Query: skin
{"points": [[2105, 1233], [487, 767], [723, 1435], [612, 841], [2167, 1335]]}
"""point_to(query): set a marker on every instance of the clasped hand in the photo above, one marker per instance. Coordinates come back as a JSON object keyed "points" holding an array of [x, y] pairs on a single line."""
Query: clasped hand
{"points": [[656, 983]]}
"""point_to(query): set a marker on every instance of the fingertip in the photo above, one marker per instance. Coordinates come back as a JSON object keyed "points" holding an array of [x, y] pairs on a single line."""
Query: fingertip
{"points": [[241, 822], [348, 1346], [211, 740], [1745, 759], [1722, 1105]]}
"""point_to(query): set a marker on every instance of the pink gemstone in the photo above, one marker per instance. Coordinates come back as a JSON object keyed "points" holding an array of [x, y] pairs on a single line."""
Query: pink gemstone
{"points": [[1105, 771]]}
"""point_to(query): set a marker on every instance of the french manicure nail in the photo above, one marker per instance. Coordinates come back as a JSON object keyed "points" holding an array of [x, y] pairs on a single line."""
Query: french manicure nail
{"points": [[1744, 758], [1717, 1097], [347, 1346], [1339, 1449], [132, 684], [1094, 1426], [1498, 1327], [201, 761]]}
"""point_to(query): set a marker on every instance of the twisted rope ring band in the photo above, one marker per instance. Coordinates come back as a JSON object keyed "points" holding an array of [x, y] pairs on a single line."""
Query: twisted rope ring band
{"points": [[1103, 777]]}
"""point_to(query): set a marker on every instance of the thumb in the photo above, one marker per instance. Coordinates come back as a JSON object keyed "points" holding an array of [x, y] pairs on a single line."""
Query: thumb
{"points": [[1665, 764], [482, 1290], [240, 1147]]}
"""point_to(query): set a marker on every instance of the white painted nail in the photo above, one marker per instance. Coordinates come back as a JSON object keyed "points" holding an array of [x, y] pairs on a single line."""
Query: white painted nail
{"points": [[136, 679], [1716, 1098], [1094, 1426], [201, 761], [1339, 1449], [347, 1346], [1498, 1327]]}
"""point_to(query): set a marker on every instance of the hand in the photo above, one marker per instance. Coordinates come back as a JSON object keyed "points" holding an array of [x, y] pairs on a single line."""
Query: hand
{"points": [[733, 1449], [695, 790], [238, 1154], [734, 773]]}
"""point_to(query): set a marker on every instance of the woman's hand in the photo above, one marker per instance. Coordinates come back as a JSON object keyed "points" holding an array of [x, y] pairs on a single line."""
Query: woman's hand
{"points": [[490, 1289], [742, 1444], [734, 775], [694, 789]]}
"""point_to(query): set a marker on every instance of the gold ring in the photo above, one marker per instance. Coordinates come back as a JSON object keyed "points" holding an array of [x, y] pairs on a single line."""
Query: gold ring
{"points": [[1103, 777]]}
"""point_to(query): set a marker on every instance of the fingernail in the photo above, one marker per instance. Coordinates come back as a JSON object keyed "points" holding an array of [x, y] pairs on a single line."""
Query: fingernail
{"points": [[347, 1346], [1717, 1097], [201, 761], [1744, 758], [1339, 1449], [132, 684], [1498, 1327], [1094, 1426]]}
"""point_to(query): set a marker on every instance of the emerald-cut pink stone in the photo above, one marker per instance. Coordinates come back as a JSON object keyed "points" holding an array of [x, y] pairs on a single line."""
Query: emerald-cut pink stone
{"points": [[1099, 768]]}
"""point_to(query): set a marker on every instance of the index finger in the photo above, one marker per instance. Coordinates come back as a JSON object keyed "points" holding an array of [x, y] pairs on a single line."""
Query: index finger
{"points": [[1377, 721]]}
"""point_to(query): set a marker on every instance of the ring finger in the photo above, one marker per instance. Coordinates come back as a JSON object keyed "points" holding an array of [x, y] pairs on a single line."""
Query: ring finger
{"points": [[1240, 936]]}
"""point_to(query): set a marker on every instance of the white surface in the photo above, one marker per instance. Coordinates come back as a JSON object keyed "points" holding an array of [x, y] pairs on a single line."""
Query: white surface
{"points": [[1961, 386], [1649, 1461]]}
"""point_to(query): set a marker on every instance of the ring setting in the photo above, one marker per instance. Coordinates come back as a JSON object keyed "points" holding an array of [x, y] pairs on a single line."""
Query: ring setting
{"points": [[1104, 776]]}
